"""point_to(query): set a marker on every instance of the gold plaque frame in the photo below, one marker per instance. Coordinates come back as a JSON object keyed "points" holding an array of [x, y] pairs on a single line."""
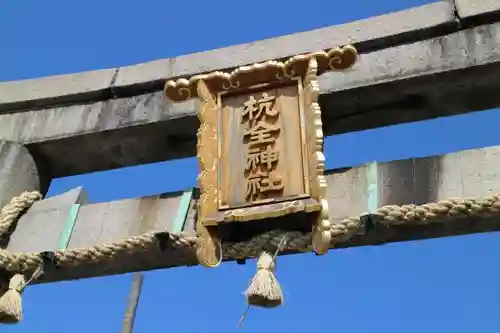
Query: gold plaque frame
{"points": [[209, 88]]}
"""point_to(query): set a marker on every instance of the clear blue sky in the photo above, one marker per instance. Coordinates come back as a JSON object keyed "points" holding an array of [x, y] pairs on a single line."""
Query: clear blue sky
{"points": [[443, 285]]}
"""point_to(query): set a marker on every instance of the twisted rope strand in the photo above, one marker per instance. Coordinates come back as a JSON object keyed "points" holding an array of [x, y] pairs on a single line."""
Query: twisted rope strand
{"points": [[13, 210], [391, 215]]}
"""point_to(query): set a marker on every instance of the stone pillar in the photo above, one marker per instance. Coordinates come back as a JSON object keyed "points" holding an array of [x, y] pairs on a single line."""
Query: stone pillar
{"points": [[19, 172]]}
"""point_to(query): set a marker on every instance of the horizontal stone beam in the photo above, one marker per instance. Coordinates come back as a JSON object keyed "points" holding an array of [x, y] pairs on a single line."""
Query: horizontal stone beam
{"points": [[414, 65], [369, 34], [442, 76], [477, 11], [472, 173]]}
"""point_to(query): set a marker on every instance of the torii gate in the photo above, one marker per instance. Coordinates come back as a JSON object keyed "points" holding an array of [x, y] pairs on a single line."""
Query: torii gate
{"points": [[431, 61]]}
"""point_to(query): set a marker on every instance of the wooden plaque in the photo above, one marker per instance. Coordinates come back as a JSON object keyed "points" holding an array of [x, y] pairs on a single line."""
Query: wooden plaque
{"points": [[262, 156], [260, 144]]}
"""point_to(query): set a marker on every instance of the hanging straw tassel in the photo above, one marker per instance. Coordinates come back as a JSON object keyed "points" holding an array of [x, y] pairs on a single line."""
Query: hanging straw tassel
{"points": [[11, 311], [264, 289]]}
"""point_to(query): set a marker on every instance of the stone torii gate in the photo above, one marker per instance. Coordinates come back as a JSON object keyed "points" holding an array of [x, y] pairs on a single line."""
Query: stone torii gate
{"points": [[431, 61]]}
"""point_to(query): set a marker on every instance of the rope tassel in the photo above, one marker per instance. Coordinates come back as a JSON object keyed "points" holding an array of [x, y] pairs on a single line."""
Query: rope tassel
{"points": [[11, 305], [264, 290]]}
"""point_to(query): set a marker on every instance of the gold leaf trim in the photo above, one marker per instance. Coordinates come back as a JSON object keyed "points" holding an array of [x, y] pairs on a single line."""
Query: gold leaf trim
{"points": [[318, 186], [207, 151], [209, 248], [338, 58], [272, 211]]}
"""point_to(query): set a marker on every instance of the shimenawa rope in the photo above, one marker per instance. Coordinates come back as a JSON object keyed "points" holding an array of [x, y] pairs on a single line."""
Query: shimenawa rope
{"points": [[390, 215], [10, 299]]}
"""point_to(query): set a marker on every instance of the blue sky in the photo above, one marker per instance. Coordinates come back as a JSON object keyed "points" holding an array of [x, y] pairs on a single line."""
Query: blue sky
{"points": [[443, 285]]}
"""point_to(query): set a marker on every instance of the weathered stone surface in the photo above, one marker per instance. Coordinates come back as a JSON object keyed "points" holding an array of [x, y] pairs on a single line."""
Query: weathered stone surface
{"points": [[124, 218], [447, 75], [105, 135], [41, 227], [470, 8], [468, 48], [59, 89], [19, 172], [411, 24]]}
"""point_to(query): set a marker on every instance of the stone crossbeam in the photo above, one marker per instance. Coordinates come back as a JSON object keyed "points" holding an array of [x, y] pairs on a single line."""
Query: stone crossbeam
{"points": [[470, 173], [416, 64]]}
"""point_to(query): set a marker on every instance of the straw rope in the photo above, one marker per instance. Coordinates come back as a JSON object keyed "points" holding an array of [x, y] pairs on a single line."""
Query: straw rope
{"points": [[13, 210], [391, 215]]}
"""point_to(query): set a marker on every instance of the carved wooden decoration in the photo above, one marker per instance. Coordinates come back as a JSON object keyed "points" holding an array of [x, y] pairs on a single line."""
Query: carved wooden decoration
{"points": [[314, 128], [260, 148], [209, 249]]}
